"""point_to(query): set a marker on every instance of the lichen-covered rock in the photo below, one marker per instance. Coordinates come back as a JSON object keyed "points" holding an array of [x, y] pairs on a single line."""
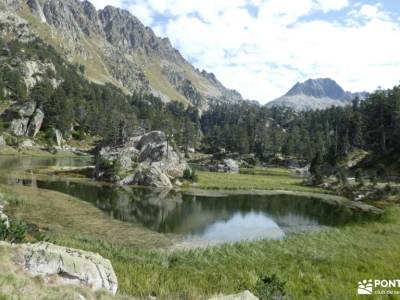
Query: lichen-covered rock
{"points": [[14, 25], [227, 165], [67, 266], [27, 109], [26, 144], [231, 166], [36, 123], [19, 126], [148, 176], [24, 119], [148, 160], [35, 72], [246, 295]]}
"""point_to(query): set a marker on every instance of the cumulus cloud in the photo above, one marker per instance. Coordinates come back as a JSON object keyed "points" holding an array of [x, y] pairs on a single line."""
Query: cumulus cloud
{"points": [[262, 47]]}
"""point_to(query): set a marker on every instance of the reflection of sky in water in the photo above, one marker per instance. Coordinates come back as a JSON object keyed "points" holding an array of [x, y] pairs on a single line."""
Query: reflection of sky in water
{"points": [[250, 226], [212, 218]]}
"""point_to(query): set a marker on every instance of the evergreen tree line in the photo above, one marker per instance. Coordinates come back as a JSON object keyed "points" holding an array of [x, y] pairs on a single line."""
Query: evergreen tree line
{"points": [[79, 107], [372, 124]]}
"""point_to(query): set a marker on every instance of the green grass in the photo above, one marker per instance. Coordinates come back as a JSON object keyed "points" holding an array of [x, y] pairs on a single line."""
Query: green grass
{"points": [[317, 265], [255, 179], [35, 152], [324, 265]]}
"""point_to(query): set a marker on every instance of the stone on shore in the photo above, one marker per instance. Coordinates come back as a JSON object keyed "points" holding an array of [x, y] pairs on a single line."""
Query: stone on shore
{"points": [[61, 265]]}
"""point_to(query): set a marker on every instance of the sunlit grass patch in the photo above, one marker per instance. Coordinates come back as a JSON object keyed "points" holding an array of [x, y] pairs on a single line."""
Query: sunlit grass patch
{"points": [[257, 179]]}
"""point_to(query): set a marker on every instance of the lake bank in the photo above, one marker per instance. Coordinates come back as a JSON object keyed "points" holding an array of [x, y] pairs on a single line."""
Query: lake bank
{"points": [[149, 263], [196, 273]]}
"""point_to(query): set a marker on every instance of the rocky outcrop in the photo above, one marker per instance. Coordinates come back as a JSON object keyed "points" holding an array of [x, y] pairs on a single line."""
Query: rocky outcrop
{"points": [[148, 160], [148, 176], [226, 166], [37, 9], [35, 123], [115, 47], [35, 72], [19, 127], [27, 109], [231, 166], [26, 144], [25, 119], [246, 295], [62, 265], [13, 25]]}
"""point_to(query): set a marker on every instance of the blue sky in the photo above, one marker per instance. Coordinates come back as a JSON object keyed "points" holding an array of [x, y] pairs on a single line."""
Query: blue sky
{"points": [[263, 47]]}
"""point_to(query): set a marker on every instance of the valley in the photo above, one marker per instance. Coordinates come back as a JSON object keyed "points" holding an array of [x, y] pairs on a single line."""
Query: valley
{"points": [[128, 173]]}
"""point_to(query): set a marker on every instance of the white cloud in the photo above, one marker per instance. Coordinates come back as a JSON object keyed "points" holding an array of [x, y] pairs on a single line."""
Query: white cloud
{"points": [[328, 5], [100, 4], [143, 12], [263, 52], [372, 12]]}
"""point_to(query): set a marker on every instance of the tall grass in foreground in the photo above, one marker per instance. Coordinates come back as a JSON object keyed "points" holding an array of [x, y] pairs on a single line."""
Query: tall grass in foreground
{"points": [[320, 265]]}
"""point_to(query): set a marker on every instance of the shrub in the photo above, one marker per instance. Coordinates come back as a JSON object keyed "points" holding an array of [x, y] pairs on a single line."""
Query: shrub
{"points": [[374, 179], [111, 168], [359, 177], [191, 175], [380, 170], [16, 233], [270, 287]]}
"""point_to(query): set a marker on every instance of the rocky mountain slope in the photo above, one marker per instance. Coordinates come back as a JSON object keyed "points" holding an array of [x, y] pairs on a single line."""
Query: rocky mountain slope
{"points": [[114, 47], [315, 94]]}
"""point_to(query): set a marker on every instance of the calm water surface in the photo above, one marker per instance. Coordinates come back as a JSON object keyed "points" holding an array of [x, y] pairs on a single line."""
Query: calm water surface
{"points": [[207, 218]]}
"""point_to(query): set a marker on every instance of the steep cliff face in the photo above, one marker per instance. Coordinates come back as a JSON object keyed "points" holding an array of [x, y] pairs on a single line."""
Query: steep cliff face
{"points": [[114, 46]]}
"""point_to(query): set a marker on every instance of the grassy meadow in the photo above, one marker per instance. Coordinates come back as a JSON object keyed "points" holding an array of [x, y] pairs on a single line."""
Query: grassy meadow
{"points": [[255, 179], [316, 265]]}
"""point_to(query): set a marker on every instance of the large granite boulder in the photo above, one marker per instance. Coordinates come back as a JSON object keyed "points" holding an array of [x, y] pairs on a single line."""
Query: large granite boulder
{"points": [[148, 176], [19, 127], [155, 150], [27, 109], [62, 265], [25, 119], [36, 123], [231, 166], [149, 160]]}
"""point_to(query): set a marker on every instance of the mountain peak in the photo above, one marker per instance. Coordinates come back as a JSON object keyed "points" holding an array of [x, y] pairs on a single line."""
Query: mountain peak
{"points": [[318, 88], [116, 47], [313, 94]]}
